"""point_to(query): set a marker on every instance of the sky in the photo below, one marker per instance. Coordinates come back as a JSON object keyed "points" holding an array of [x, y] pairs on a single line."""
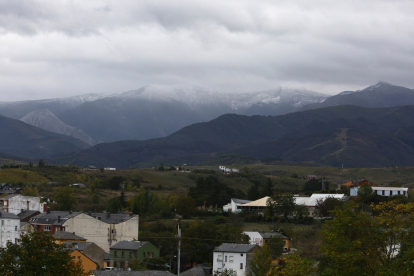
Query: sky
{"points": [[51, 49]]}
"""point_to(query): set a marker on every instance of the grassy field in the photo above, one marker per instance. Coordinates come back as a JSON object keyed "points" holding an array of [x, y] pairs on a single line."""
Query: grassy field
{"points": [[18, 175]]}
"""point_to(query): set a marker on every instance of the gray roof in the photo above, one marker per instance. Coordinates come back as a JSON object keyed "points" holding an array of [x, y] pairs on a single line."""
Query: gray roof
{"points": [[237, 248], [235, 200], [27, 213], [110, 218], [268, 235], [51, 218], [195, 271], [8, 196], [77, 245], [4, 214], [132, 273], [67, 236], [128, 245]]}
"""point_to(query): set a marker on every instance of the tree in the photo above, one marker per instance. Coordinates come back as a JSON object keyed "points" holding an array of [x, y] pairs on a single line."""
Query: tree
{"points": [[66, 201], [268, 188], [253, 193], [356, 243], [41, 163], [114, 205], [276, 245], [30, 191], [282, 204], [185, 206], [365, 194], [115, 182], [122, 199], [161, 167], [38, 254], [293, 265], [261, 262], [324, 207]]}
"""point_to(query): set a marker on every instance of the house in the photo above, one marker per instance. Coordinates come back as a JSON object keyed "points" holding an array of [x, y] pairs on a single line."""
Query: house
{"points": [[311, 176], [9, 228], [383, 191], [125, 251], [110, 169], [6, 188], [259, 204], [77, 185], [26, 228], [86, 262], [233, 205], [346, 183], [261, 238], [63, 236], [228, 170], [90, 168], [25, 216], [104, 229], [16, 203], [360, 182], [233, 257], [90, 250]]}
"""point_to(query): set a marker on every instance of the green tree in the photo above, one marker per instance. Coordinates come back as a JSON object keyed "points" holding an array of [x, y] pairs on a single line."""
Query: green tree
{"points": [[282, 204], [185, 206], [122, 199], [294, 265], [161, 167], [41, 163], [253, 193], [64, 198], [114, 205], [356, 243], [365, 194], [261, 262], [30, 191], [268, 188], [115, 182], [37, 254], [276, 245], [324, 207]]}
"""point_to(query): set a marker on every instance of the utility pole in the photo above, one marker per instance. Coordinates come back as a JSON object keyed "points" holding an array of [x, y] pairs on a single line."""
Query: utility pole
{"points": [[179, 247]]}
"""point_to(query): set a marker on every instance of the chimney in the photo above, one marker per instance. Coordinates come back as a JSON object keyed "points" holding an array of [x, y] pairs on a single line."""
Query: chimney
{"points": [[90, 213], [48, 210], [58, 219], [130, 214], [99, 218], [108, 215], [70, 212]]}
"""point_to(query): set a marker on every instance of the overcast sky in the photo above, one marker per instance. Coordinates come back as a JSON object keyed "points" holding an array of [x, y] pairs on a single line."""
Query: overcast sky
{"points": [[61, 48]]}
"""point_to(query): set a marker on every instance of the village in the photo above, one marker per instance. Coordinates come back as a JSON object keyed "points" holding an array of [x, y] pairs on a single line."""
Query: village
{"points": [[104, 241]]}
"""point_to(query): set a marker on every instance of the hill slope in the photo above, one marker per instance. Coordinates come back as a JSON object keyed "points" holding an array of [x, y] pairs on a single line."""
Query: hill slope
{"points": [[21, 139], [303, 136]]}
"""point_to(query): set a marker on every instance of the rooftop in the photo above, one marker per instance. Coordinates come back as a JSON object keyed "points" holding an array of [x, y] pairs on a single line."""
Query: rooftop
{"points": [[129, 245], [235, 247], [4, 214], [53, 217], [67, 236]]}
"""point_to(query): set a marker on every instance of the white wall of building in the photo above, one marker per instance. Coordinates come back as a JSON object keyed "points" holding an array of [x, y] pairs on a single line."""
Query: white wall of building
{"points": [[230, 261], [103, 234], [9, 230], [18, 203], [383, 191], [255, 238]]}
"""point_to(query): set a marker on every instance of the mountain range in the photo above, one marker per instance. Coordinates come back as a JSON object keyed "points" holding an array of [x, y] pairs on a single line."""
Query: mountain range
{"points": [[353, 135]]}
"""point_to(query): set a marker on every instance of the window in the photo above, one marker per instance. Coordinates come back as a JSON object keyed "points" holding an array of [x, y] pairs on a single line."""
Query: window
{"points": [[231, 259], [225, 258], [241, 265], [46, 228], [115, 253], [383, 192], [143, 253], [123, 254], [79, 257], [130, 254], [73, 257], [152, 254], [15, 228], [241, 254]]}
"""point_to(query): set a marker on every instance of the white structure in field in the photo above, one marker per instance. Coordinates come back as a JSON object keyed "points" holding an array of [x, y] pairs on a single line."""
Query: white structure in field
{"points": [[309, 202], [9, 228], [234, 203], [233, 257], [228, 170], [17, 203], [383, 191]]}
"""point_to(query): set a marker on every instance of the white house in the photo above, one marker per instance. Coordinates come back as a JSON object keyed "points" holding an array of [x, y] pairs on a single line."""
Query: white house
{"points": [[9, 228], [232, 206], [17, 203], [104, 229], [260, 238], [383, 191], [233, 257]]}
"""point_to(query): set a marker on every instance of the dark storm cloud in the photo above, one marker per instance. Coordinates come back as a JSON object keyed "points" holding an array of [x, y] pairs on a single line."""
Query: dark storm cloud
{"points": [[56, 48]]}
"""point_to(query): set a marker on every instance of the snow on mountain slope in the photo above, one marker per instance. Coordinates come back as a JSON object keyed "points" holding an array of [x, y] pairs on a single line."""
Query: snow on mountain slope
{"points": [[48, 121]]}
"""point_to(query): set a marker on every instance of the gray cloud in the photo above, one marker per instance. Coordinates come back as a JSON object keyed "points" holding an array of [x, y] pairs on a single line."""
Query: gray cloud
{"points": [[61, 48]]}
